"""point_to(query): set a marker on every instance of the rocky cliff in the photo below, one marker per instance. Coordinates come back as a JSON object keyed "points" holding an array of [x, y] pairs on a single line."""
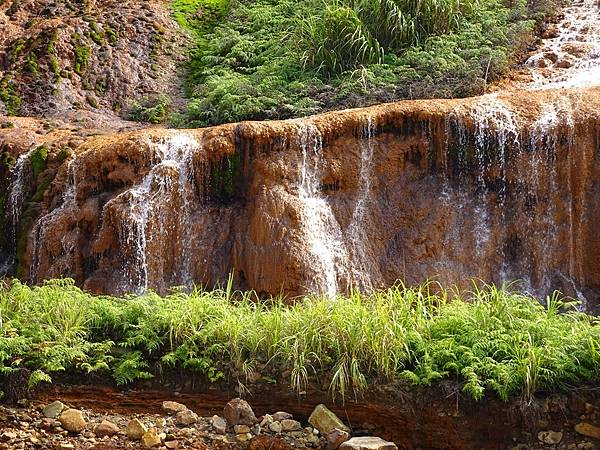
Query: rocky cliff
{"points": [[68, 58], [500, 187]]}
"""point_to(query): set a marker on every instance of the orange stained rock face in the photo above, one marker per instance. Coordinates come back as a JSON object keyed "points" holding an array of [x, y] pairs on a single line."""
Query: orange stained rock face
{"points": [[499, 187]]}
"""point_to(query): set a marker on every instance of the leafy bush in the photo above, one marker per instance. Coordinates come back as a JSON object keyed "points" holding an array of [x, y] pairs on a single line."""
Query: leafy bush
{"points": [[494, 341], [271, 59], [153, 109]]}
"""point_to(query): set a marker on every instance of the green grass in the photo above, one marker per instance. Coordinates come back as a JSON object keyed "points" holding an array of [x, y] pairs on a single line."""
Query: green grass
{"points": [[269, 59], [491, 342]]}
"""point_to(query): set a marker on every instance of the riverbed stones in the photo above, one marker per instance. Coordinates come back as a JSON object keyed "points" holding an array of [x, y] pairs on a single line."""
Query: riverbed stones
{"points": [[53, 410], [336, 437], [106, 428], [325, 420], [239, 429], [290, 425], [275, 427], [135, 429], [239, 412], [173, 407], [186, 417], [72, 420], [151, 438], [281, 415], [219, 424], [367, 443], [550, 437], [587, 429]]}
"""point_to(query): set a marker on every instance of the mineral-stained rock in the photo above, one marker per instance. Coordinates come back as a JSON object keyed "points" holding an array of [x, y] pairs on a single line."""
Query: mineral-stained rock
{"points": [[73, 420], [588, 429], [106, 428], [367, 443], [151, 438], [325, 420], [173, 407], [239, 412], [135, 429], [186, 417], [53, 410]]}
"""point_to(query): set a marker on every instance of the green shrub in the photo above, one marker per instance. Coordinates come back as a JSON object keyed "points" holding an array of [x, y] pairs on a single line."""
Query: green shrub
{"points": [[493, 342], [153, 109]]}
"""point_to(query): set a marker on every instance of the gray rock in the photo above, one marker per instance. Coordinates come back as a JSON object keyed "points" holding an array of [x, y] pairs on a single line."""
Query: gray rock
{"points": [[323, 419], [219, 424], [53, 410], [239, 412], [367, 443]]}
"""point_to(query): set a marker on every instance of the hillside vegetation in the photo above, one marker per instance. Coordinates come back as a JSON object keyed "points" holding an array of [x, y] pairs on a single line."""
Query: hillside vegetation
{"points": [[491, 341], [269, 59]]}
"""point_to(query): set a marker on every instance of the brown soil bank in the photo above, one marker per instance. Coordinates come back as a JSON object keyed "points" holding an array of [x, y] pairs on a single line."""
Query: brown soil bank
{"points": [[495, 187], [439, 418]]}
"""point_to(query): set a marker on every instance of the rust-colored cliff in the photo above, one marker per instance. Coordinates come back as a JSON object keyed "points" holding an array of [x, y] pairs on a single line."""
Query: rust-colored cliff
{"points": [[498, 187]]}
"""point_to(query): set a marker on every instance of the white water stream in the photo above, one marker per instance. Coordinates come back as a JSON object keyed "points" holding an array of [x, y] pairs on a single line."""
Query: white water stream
{"points": [[572, 57]]}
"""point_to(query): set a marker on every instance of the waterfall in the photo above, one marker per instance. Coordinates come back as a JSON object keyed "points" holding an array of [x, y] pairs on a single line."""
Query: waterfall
{"points": [[362, 265], [571, 58], [327, 253], [14, 207], [157, 211], [51, 219]]}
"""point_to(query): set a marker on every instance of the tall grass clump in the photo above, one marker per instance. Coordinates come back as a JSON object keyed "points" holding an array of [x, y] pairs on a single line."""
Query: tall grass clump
{"points": [[491, 341]]}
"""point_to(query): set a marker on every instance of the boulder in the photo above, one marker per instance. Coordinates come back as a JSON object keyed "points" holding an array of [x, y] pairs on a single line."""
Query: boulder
{"points": [[106, 428], [324, 420], [53, 410], [135, 429], [239, 412], [186, 417], [173, 407], [367, 443], [72, 420]]}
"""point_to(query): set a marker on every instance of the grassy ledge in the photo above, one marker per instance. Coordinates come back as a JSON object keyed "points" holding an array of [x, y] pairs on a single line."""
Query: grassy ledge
{"points": [[273, 59], [492, 342]]}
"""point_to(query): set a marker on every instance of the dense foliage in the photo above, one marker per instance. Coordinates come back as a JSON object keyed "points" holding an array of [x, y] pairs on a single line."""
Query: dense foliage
{"points": [[496, 341], [265, 59]]}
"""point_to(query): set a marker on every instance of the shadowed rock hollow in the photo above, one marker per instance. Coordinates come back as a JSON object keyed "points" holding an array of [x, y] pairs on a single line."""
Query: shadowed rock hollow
{"points": [[495, 187]]}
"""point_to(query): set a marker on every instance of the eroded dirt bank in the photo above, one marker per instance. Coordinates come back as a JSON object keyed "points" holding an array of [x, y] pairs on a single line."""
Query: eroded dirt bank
{"points": [[438, 418], [498, 187]]}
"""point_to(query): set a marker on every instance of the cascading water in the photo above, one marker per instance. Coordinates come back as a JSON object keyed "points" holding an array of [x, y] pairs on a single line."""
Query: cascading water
{"points": [[150, 212], [16, 197], [328, 255], [572, 57], [362, 267]]}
